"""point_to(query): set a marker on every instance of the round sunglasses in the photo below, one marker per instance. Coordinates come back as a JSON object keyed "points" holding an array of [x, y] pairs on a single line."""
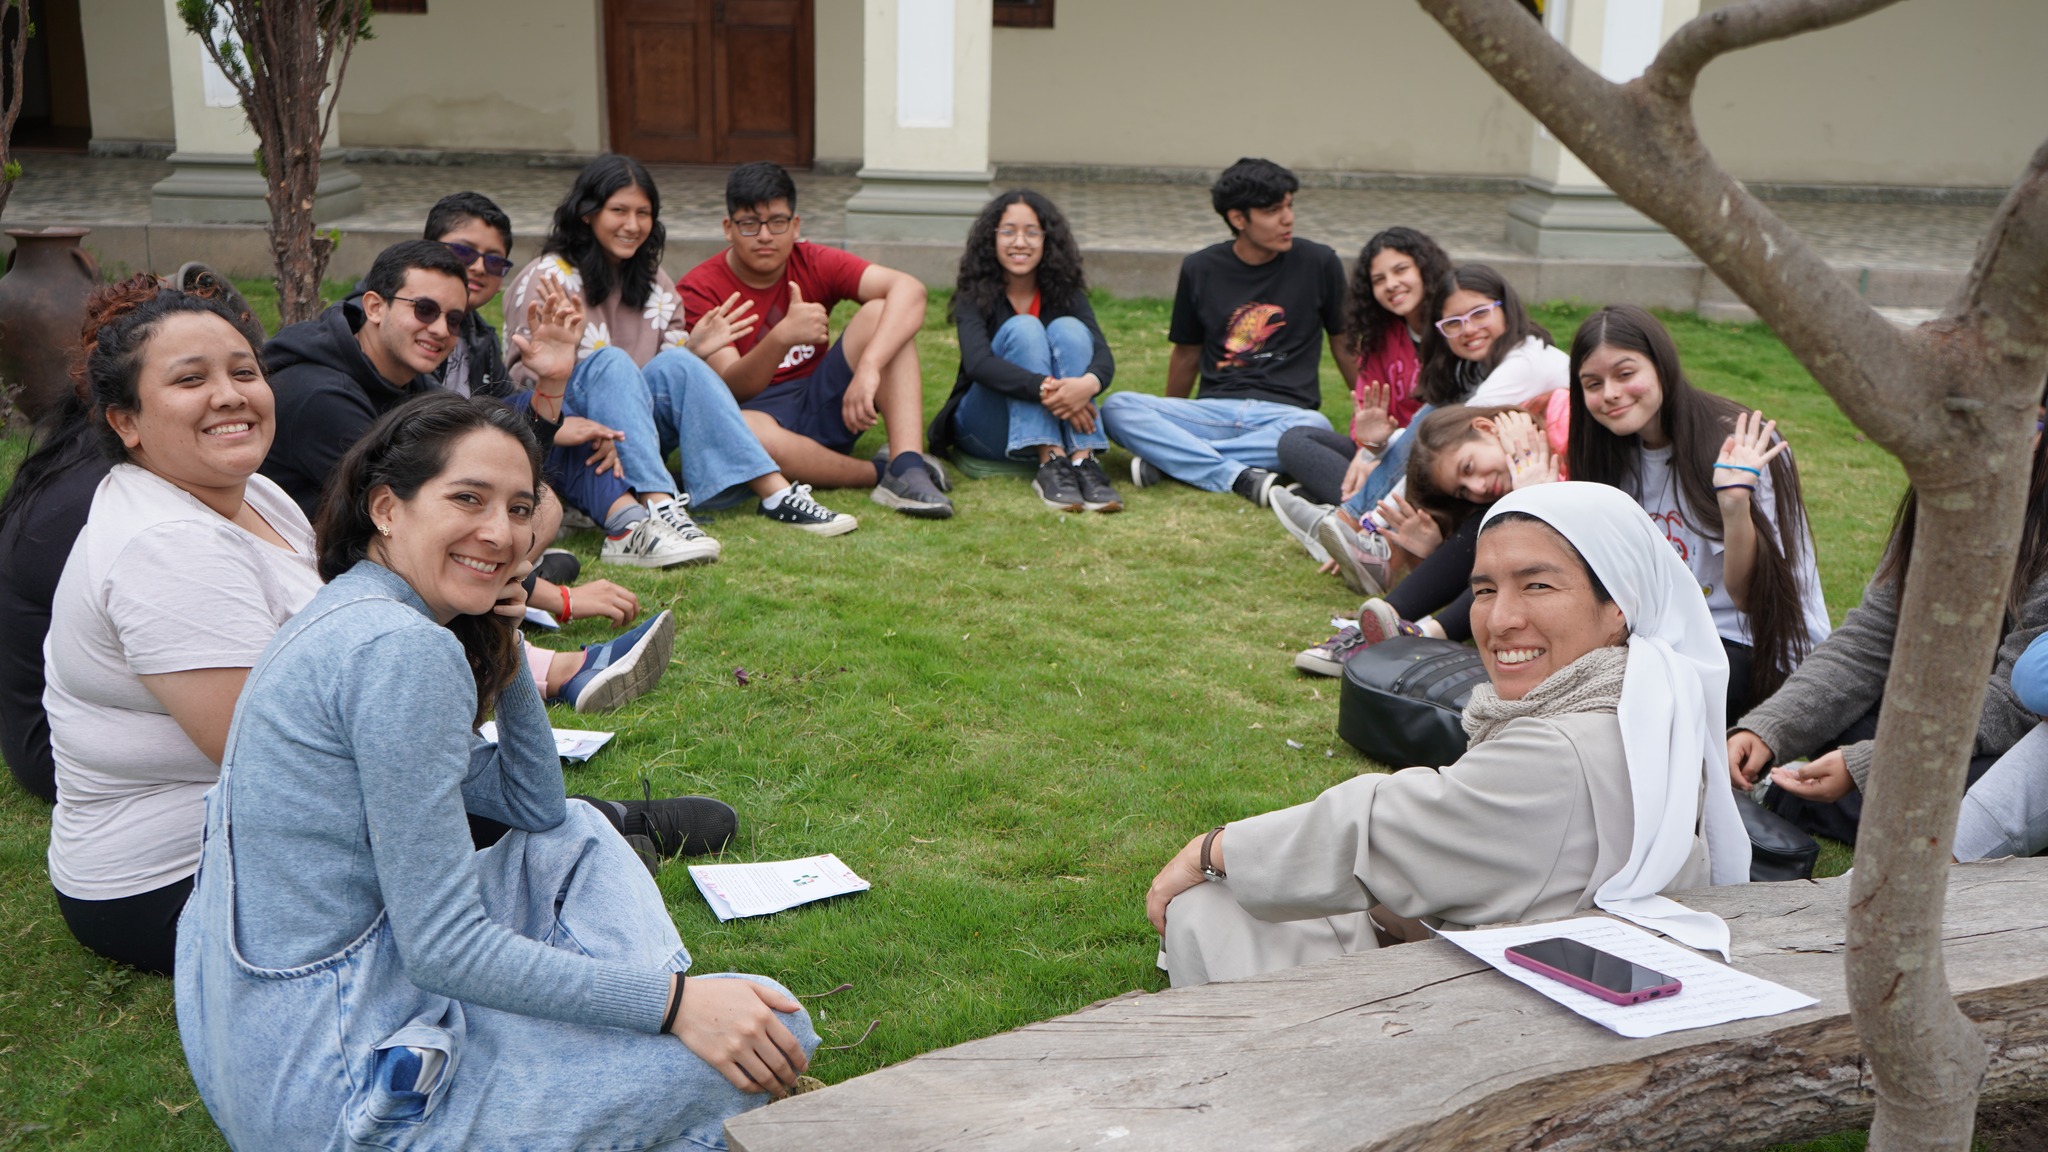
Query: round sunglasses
{"points": [[427, 311], [494, 264]]}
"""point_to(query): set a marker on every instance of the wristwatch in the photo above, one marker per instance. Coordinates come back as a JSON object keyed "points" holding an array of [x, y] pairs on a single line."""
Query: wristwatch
{"points": [[1210, 870]]}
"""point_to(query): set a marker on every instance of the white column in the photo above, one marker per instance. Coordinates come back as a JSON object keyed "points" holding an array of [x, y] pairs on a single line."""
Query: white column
{"points": [[1565, 210], [924, 168], [215, 180]]}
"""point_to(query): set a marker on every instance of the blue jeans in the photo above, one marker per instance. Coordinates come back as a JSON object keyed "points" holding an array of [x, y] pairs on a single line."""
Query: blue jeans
{"points": [[1205, 443], [1393, 467], [675, 403], [568, 471], [995, 426]]}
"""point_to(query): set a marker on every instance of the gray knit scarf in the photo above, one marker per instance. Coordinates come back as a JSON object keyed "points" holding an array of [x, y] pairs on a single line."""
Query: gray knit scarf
{"points": [[1592, 683]]}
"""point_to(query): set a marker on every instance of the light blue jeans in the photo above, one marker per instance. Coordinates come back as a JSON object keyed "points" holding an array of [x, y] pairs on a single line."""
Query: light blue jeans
{"points": [[1205, 443], [676, 403], [303, 1057], [994, 426]]}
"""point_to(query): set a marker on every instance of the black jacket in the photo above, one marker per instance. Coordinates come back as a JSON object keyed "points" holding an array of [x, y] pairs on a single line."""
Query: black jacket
{"points": [[980, 365], [328, 395]]}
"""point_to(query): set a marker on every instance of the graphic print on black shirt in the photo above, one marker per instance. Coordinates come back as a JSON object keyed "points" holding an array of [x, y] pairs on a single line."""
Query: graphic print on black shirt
{"points": [[1260, 326]]}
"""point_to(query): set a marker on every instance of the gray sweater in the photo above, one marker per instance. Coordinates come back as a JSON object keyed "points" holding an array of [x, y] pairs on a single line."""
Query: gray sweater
{"points": [[1836, 684]]}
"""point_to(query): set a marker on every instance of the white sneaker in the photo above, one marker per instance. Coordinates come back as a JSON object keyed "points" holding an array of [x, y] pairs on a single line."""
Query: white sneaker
{"points": [[1299, 517], [656, 542]]}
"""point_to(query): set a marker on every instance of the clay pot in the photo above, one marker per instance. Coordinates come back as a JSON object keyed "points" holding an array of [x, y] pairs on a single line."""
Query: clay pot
{"points": [[42, 308]]}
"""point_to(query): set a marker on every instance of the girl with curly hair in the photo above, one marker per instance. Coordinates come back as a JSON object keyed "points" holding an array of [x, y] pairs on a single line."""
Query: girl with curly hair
{"points": [[1032, 358]]}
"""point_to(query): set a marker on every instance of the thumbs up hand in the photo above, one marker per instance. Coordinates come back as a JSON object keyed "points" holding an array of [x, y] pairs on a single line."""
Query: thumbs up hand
{"points": [[806, 323]]}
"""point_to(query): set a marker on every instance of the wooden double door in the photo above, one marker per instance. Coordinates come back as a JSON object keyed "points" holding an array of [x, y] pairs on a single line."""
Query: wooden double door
{"points": [[710, 81]]}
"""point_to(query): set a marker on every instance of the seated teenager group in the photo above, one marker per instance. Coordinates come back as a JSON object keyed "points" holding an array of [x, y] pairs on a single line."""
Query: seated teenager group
{"points": [[329, 538]]}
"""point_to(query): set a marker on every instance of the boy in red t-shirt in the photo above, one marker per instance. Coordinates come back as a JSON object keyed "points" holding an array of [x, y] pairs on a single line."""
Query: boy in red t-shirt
{"points": [[808, 402]]}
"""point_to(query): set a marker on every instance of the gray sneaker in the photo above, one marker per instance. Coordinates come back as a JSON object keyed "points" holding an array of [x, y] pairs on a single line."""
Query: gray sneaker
{"points": [[931, 465], [1299, 517], [1363, 557], [1057, 486], [1096, 494], [1144, 475], [913, 493]]}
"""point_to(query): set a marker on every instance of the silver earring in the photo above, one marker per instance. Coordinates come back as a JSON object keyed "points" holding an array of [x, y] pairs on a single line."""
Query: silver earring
{"points": [[383, 531]]}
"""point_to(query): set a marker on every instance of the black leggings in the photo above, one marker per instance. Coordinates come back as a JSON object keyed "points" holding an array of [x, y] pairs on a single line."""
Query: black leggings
{"points": [[1318, 458], [140, 931], [1838, 820], [484, 831], [1442, 584]]}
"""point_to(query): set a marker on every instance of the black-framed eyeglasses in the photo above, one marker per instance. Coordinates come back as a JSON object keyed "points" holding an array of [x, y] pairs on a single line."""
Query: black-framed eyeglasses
{"points": [[1452, 325], [494, 264], [427, 311], [776, 225]]}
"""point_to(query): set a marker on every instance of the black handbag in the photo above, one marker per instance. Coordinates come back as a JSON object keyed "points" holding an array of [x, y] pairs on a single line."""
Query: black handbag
{"points": [[1778, 848], [1403, 700]]}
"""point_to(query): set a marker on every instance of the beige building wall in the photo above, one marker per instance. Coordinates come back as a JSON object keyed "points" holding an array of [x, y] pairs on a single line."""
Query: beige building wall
{"points": [[128, 69], [1940, 92], [479, 76], [838, 34], [1361, 85]]}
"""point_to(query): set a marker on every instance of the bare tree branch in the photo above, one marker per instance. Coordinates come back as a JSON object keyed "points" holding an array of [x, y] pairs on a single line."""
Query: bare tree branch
{"points": [[2007, 290], [1712, 34]]}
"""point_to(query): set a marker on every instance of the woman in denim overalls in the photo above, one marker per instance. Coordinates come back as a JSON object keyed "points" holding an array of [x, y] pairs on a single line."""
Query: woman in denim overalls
{"points": [[350, 973]]}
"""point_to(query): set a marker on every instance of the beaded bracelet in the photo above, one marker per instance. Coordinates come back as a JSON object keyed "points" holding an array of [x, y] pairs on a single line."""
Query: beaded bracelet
{"points": [[1740, 468]]}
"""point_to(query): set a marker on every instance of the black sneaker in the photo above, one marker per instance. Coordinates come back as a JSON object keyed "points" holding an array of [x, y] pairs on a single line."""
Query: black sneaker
{"points": [[1096, 494], [798, 510], [648, 855], [1253, 484], [912, 492], [1057, 485], [1144, 475], [558, 566], [681, 825]]}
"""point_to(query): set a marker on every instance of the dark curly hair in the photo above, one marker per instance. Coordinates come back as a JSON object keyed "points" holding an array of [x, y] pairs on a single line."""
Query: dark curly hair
{"points": [[572, 240], [1365, 318], [980, 282], [1696, 424], [404, 449]]}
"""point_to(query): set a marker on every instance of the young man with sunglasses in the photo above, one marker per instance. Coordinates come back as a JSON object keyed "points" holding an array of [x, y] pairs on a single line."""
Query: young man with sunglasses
{"points": [[807, 398], [1248, 317]]}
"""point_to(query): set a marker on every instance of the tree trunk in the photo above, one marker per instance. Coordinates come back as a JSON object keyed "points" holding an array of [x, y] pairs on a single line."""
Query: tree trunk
{"points": [[1952, 400], [11, 12]]}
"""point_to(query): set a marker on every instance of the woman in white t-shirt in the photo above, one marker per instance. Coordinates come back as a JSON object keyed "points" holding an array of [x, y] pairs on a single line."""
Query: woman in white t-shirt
{"points": [[1715, 478], [188, 564]]}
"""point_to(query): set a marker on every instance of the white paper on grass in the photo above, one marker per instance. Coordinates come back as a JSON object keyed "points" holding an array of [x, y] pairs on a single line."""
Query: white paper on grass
{"points": [[578, 744], [541, 620], [1713, 993], [739, 890]]}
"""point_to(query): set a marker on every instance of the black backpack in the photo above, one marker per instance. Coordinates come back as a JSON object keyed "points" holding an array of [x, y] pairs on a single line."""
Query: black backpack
{"points": [[1403, 700]]}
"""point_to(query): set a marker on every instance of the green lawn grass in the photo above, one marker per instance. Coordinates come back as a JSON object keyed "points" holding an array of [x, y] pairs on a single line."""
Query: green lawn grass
{"points": [[1006, 722]]}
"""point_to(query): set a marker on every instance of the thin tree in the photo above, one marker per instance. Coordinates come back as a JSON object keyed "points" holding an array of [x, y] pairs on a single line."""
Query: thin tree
{"points": [[1954, 399], [279, 54], [15, 29]]}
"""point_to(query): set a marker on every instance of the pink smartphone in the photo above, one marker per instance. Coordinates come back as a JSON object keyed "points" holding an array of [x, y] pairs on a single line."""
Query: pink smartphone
{"points": [[1590, 970]]}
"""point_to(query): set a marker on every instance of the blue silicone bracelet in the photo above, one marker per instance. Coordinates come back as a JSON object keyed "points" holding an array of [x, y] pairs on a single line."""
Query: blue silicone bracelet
{"points": [[1742, 468]]}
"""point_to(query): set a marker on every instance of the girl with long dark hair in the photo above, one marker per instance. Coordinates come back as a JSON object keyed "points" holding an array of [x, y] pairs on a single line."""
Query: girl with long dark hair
{"points": [[346, 947], [1827, 709], [1387, 314], [635, 375], [1715, 478], [1032, 358]]}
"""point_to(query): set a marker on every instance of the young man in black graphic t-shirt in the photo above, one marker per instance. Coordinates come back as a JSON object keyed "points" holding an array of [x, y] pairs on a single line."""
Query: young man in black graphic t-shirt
{"points": [[1249, 317]]}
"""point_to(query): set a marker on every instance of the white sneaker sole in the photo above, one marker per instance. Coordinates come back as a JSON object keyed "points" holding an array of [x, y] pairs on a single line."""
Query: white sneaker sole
{"points": [[839, 525], [705, 551], [637, 672], [1316, 662]]}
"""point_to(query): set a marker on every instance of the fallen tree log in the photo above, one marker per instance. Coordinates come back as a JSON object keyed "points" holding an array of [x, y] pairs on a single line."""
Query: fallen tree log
{"points": [[1422, 1047]]}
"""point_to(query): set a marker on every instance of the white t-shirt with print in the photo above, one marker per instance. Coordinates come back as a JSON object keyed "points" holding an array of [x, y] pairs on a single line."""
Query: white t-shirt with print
{"points": [[1529, 370], [1704, 556], [157, 582]]}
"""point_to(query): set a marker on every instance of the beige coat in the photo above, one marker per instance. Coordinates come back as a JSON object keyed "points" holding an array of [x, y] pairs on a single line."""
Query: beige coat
{"points": [[1525, 826]]}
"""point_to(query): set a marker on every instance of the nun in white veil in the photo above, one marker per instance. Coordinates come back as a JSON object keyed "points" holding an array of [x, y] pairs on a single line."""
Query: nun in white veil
{"points": [[1596, 775]]}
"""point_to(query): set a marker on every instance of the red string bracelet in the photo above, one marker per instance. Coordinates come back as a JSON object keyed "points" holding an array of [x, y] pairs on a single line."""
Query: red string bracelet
{"points": [[565, 603]]}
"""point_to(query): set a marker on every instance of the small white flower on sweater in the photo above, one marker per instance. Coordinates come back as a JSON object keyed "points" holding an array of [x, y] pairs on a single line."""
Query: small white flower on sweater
{"points": [[595, 336], [570, 279], [676, 338], [662, 303]]}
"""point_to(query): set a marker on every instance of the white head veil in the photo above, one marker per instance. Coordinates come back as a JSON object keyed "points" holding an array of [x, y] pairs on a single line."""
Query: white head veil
{"points": [[1673, 708]]}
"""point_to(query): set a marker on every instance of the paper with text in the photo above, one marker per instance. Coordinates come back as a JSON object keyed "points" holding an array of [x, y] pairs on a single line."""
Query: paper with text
{"points": [[740, 890], [1713, 993], [577, 744]]}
